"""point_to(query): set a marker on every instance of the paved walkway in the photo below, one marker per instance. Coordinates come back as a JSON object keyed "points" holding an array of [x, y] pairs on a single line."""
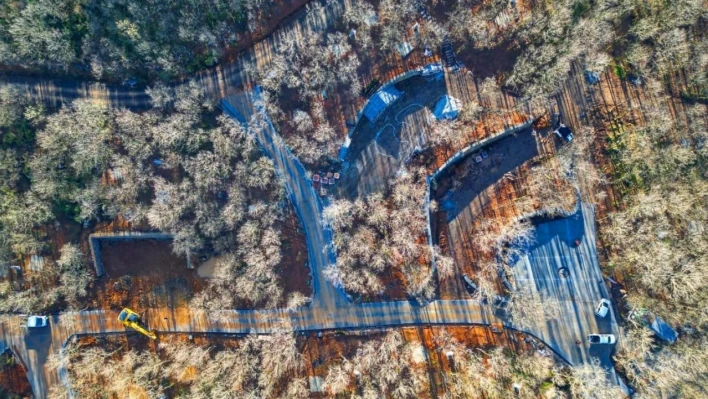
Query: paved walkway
{"points": [[303, 197], [578, 294]]}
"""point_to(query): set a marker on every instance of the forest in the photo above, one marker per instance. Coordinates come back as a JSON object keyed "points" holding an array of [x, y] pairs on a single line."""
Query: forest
{"points": [[121, 40], [378, 365], [184, 168]]}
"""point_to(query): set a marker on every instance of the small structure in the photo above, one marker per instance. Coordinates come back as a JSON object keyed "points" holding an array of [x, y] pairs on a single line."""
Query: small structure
{"points": [[36, 263], [316, 384], [431, 69], [592, 78], [449, 53], [345, 147], [635, 79], [424, 13], [564, 132], [448, 107], [404, 48], [380, 101]]}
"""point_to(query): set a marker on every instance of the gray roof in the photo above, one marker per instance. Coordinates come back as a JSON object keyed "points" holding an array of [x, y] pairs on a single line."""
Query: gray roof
{"points": [[404, 49], [379, 101], [448, 107], [316, 384]]}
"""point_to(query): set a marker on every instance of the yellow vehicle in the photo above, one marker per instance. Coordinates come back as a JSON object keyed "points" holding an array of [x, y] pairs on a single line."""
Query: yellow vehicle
{"points": [[132, 320]]}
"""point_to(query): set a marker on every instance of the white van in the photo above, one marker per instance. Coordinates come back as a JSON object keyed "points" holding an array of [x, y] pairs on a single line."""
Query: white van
{"points": [[37, 321], [602, 308]]}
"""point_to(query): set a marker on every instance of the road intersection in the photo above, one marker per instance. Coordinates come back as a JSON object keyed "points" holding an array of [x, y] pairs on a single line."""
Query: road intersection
{"points": [[331, 310]]}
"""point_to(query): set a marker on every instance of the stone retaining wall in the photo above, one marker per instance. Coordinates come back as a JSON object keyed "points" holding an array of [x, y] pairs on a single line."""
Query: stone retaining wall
{"points": [[459, 156], [398, 78]]}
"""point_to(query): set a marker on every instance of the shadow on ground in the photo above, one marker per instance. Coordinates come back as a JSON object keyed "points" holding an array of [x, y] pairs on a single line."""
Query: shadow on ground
{"points": [[378, 149]]}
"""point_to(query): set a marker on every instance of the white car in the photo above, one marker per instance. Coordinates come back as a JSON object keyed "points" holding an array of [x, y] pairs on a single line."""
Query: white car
{"points": [[37, 321], [602, 339], [603, 308]]}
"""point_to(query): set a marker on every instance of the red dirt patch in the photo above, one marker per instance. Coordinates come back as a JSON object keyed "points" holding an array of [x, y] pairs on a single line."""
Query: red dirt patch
{"points": [[144, 273], [272, 16], [13, 378], [293, 269], [141, 257], [320, 353]]}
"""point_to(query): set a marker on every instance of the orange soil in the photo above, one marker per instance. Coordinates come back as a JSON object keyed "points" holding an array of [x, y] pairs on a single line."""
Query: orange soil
{"points": [[143, 273], [321, 352], [13, 378], [269, 19], [293, 269]]}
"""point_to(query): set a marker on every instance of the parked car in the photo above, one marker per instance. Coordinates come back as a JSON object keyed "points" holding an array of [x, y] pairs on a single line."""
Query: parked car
{"points": [[37, 321], [562, 130], [602, 339], [603, 307]]}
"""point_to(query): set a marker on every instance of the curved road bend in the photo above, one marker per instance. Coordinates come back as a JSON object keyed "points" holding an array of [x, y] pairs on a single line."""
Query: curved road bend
{"points": [[303, 197], [218, 82], [331, 310]]}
